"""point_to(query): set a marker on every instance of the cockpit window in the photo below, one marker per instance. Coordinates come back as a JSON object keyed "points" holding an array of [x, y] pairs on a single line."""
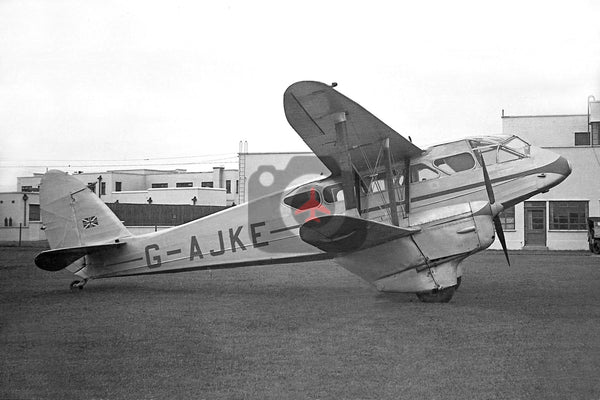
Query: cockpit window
{"points": [[517, 144], [303, 198], [499, 150], [421, 172], [333, 193], [456, 163], [504, 155]]}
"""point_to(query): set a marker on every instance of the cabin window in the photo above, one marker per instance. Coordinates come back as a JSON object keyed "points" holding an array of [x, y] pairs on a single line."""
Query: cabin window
{"points": [[377, 185], [299, 200], [421, 172], [489, 156], [456, 163], [399, 179], [333, 193], [568, 215]]}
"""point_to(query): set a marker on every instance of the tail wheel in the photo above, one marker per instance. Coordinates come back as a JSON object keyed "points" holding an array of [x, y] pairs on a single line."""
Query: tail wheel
{"points": [[78, 284], [437, 295]]}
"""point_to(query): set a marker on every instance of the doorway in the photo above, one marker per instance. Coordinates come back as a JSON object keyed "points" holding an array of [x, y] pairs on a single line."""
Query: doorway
{"points": [[535, 223]]}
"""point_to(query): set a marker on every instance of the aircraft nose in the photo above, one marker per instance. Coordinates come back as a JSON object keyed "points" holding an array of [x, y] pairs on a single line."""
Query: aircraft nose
{"points": [[560, 166], [554, 173]]}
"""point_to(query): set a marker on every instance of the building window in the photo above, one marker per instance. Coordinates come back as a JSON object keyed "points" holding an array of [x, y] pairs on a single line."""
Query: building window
{"points": [[582, 139], [228, 186], [92, 186], [103, 188], [160, 185], [30, 189], [507, 217], [118, 186], [595, 128], [207, 184], [34, 212], [237, 186], [184, 184], [568, 215]]}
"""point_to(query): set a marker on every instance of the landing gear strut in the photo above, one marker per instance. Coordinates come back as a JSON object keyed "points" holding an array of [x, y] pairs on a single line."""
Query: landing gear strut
{"points": [[437, 295], [78, 284]]}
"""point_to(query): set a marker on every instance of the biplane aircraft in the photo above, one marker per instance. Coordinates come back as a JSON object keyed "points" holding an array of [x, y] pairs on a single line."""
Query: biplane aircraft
{"points": [[400, 217]]}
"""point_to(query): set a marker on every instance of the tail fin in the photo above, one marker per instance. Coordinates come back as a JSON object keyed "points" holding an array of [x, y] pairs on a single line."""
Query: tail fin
{"points": [[73, 215]]}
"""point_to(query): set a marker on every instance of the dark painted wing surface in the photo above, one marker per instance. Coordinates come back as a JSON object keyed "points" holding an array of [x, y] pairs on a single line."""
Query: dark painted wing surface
{"points": [[341, 234], [55, 260], [310, 108]]}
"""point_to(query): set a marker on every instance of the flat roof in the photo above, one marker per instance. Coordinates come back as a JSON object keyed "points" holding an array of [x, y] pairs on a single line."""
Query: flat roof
{"points": [[277, 152], [544, 116]]}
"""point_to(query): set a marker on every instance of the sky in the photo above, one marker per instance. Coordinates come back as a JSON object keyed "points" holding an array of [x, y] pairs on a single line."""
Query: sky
{"points": [[98, 85]]}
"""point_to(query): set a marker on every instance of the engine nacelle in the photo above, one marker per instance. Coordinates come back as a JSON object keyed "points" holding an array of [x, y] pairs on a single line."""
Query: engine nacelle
{"points": [[429, 259]]}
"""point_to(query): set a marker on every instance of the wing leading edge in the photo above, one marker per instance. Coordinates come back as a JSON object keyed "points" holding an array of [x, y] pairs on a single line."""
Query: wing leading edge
{"points": [[313, 108]]}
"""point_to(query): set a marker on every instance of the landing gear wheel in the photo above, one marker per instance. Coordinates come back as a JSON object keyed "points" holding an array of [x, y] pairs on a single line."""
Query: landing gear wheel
{"points": [[596, 247], [78, 284], [437, 295]]}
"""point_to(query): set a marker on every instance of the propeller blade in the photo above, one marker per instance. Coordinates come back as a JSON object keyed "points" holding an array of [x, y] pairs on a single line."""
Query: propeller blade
{"points": [[500, 232], [486, 179], [490, 193]]}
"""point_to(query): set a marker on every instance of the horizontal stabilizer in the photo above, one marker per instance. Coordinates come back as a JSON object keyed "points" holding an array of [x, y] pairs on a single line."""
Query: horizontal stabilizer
{"points": [[57, 259], [341, 233]]}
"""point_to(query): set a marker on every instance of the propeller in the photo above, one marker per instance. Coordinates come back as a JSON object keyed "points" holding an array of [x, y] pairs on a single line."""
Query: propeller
{"points": [[492, 199]]}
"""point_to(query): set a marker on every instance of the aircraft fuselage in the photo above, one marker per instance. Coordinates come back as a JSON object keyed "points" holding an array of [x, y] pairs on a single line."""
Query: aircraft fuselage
{"points": [[266, 230]]}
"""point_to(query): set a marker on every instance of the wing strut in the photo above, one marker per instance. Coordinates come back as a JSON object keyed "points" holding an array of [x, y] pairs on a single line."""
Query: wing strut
{"points": [[345, 162], [407, 185], [389, 181]]}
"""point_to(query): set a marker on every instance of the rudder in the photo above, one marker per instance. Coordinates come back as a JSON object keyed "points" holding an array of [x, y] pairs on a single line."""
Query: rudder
{"points": [[73, 215]]}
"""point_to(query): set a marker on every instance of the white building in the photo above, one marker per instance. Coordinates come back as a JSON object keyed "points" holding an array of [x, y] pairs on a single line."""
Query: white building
{"points": [[20, 211], [557, 219], [216, 187]]}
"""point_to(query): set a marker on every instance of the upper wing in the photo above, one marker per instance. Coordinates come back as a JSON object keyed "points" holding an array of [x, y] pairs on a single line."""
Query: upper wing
{"points": [[310, 108], [343, 233]]}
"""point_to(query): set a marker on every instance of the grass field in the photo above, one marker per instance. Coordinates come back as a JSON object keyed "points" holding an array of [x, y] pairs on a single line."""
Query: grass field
{"points": [[302, 331]]}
